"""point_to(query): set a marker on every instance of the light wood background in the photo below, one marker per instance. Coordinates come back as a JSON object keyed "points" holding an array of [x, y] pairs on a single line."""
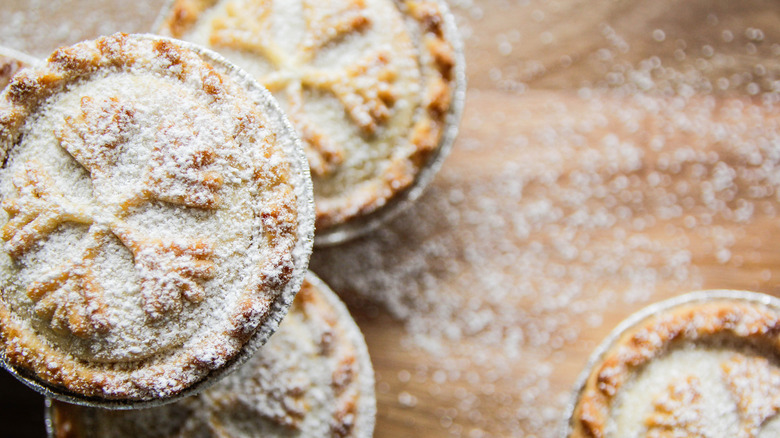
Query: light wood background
{"points": [[552, 85]]}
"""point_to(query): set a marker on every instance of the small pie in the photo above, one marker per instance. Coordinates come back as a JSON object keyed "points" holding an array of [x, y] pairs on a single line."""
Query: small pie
{"points": [[703, 365], [156, 220], [368, 84], [312, 379]]}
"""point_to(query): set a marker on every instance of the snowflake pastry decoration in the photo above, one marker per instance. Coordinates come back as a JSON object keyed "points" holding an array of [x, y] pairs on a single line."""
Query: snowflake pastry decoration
{"points": [[180, 171]]}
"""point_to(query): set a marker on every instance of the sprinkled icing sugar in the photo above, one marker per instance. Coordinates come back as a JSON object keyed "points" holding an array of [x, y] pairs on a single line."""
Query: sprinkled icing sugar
{"points": [[691, 392]]}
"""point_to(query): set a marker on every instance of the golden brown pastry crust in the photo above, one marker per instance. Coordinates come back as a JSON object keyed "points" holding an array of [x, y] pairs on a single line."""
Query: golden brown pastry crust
{"points": [[436, 60], [723, 318], [147, 379]]}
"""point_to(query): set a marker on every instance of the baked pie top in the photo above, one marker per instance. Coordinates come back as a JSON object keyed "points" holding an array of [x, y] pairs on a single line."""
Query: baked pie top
{"points": [[156, 219], [367, 83], [312, 379], [708, 367]]}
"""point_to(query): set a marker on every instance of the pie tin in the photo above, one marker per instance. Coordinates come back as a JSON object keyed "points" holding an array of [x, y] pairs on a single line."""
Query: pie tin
{"points": [[652, 310], [366, 409], [301, 253], [22, 57], [361, 225]]}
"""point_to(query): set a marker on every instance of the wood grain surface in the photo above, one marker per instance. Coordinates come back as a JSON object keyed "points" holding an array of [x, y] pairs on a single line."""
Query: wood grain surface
{"points": [[611, 154]]}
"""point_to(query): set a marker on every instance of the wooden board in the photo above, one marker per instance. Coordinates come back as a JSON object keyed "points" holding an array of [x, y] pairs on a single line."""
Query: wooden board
{"points": [[612, 154]]}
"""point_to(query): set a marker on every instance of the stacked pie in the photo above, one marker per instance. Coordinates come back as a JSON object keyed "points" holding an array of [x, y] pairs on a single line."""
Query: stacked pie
{"points": [[371, 86], [312, 379], [702, 365]]}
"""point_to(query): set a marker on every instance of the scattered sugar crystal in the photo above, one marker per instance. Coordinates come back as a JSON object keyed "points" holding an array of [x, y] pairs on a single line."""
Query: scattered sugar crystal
{"points": [[407, 400]]}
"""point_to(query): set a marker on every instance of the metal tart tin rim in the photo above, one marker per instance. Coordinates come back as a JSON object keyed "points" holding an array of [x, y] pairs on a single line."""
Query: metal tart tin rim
{"points": [[23, 57]]}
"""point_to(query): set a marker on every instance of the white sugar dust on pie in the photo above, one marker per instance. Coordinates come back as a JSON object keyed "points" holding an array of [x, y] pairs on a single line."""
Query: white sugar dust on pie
{"points": [[312, 379], [707, 365], [154, 218], [368, 84]]}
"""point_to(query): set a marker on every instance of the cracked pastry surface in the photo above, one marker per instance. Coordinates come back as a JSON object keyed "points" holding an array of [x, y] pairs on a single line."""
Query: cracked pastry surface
{"points": [[367, 84], [312, 379], [708, 368], [152, 219]]}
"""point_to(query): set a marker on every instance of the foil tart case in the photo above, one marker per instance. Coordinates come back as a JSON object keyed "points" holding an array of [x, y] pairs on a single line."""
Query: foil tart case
{"points": [[636, 318], [22, 57], [301, 253]]}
